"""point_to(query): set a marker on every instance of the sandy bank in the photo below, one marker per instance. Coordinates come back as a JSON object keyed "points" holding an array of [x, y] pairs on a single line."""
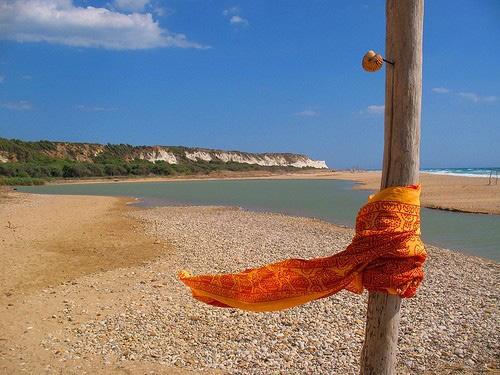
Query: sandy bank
{"points": [[106, 300], [454, 193], [48, 239]]}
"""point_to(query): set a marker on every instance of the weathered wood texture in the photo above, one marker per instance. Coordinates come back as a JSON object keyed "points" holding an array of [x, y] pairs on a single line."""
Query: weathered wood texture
{"points": [[381, 335], [404, 30], [403, 95]]}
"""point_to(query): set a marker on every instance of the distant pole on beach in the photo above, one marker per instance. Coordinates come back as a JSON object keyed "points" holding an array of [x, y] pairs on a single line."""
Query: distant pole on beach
{"points": [[403, 95]]}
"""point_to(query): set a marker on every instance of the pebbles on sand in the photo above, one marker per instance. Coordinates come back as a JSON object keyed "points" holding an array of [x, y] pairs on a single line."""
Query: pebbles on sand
{"points": [[450, 327]]}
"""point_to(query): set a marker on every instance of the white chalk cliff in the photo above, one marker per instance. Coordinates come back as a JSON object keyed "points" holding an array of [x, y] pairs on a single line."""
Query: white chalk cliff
{"points": [[157, 154], [268, 160]]}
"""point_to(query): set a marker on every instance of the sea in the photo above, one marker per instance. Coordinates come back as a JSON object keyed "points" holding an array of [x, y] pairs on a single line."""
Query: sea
{"points": [[465, 172], [468, 172], [332, 200]]}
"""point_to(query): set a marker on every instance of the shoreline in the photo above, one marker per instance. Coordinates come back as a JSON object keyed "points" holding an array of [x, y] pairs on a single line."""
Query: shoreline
{"points": [[138, 204], [359, 175], [441, 192]]}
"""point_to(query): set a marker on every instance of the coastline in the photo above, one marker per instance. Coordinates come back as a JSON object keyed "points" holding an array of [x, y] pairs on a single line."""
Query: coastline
{"points": [[128, 312], [441, 192]]}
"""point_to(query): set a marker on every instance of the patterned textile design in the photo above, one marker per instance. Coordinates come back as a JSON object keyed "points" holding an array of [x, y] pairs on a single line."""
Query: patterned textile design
{"points": [[386, 254]]}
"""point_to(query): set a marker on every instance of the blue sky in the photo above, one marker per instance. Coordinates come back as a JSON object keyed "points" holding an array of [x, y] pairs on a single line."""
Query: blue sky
{"points": [[258, 76]]}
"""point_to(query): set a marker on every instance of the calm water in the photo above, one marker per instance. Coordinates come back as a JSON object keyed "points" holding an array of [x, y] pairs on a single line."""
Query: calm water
{"points": [[331, 200]]}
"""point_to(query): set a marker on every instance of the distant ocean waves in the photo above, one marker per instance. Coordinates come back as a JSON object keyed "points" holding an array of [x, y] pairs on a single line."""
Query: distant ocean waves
{"points": [[471, 172]]}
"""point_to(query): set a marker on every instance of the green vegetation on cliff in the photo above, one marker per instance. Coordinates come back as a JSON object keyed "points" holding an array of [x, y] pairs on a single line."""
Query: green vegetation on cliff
{"points": [[26, 151], [31, 163]]}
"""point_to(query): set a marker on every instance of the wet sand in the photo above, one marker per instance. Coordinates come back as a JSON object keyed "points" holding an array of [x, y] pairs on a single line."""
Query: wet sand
{"points": [[48, 245]]}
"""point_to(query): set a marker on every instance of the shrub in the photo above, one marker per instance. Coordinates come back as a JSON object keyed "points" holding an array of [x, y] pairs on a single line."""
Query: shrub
{"points": [[76, 170], [96, 170], [161, 168], [17, 181], [114, 170]]}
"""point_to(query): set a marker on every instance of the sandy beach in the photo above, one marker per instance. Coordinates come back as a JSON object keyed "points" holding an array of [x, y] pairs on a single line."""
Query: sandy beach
{"points": [[161, 161], [89, 286]]}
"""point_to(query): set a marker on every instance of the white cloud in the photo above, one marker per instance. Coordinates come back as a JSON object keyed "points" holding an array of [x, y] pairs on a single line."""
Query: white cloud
{"points": [[477, 98], [473, 97], [375, 109], [2, 78], [307, 113], [61, 22], [87, 108], [469, 95], [161, 11], [237, 20], [131, 5], [231, 11], [234, 16], [26, 77], [441, 90], [21, 105]]}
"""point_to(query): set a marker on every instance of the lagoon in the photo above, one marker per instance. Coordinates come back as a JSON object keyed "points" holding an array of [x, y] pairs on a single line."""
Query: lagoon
{"points": [[331, 200]]}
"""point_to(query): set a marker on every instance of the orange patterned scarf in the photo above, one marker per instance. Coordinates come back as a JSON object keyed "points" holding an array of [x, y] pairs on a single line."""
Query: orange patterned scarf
{"points": [[386, 254]]}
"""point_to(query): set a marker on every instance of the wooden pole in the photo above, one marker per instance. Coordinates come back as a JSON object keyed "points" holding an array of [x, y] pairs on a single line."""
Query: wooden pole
{"points": [[403, 95]]}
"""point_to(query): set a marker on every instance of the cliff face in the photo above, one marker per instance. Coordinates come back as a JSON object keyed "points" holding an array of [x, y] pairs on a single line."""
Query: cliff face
{"points": [[91, 152], [85, 152], [268, 160]]}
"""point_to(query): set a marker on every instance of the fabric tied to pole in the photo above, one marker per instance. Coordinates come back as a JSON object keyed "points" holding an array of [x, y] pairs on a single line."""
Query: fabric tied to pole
{"points": [[386, 254]]}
